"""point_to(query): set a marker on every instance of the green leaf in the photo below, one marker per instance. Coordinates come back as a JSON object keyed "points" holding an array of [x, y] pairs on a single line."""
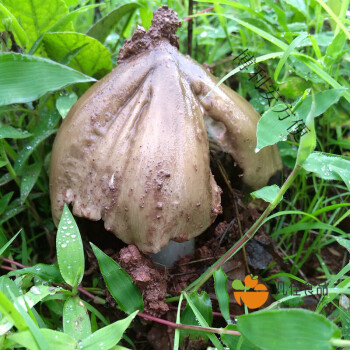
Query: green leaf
{"points": [[336, 46], [105, 25], [25, 78], [36, 16], [203, 305], [31, 323], [92, 59], [14, 27], [76, 320], [107, 337], [64, 21], [146, 15], [31, 298], [44, 129], [271, 129], [11, 313], [220, 281], [57, 340], [202, 319], [4, 201], [345, 315], [329, 166], [344, 242], [49, 273], [4, 247], [70, 252], [119, 283], [307, 142], [293, 87], [288, 52], [288, 329], [298, 5], [9, 132], [31, 175], [267, 193], [323, 100], [65, 103], [234, 341]]}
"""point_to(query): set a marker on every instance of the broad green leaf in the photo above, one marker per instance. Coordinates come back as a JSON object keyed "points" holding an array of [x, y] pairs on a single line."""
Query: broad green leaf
{"points": [[202, 320], [61, 25], [220, 281], [44, 129], [65, 103], [57, 340], [36, 294], [329, 166], [76, 320], [105, 25], [18, 32], [107, 337], [30, 176], [9, 132], [307, 142], [119, 283], [234, 341], [36, 16], [25, 78], [49, 273], [92, 59], [278, 121], [271, 130], [288, 329], [70, 252], [64, 21], [203, 305], [267, 193]]}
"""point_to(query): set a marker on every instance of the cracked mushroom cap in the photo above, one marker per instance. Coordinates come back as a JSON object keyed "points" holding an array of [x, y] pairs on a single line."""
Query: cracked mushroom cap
{"points": [[133, 151]]}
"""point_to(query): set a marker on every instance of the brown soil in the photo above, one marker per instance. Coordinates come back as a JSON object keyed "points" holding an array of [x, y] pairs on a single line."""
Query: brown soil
{"points": [[164, 25]]}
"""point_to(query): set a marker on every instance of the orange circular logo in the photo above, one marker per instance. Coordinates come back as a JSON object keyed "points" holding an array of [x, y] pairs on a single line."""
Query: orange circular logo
{"points": [[252, 299]]}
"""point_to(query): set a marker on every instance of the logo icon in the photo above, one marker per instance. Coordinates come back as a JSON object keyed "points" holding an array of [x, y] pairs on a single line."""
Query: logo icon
{"points": [[252, 293]]}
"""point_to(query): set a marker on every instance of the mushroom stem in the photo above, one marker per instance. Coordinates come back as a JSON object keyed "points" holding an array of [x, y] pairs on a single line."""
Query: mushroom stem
{"points": [[173, 252]]}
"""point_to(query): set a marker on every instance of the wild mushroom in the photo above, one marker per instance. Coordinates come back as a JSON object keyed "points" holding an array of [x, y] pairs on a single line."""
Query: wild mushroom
{"points": [[133, 150]]}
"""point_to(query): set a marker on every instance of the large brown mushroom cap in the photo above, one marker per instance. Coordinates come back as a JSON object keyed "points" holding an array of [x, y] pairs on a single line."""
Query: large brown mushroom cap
{"points": [[133, 150]]}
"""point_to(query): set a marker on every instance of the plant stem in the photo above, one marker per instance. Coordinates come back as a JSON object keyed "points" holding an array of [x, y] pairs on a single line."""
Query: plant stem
{"points": [[13, 262], [189, 327], [248, 235], [341, 343]]}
